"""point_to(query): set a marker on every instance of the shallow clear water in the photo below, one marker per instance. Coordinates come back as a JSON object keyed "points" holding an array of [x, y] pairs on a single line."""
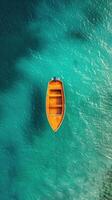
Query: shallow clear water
{"points": [[70, 40]]}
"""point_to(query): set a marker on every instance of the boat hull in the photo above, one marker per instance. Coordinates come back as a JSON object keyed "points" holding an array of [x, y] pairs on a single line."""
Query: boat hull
{"points": [[55, 104]]}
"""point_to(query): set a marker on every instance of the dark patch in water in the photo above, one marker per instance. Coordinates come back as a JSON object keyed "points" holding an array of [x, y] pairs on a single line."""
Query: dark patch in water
{"points": [[14, 197], [11, 149], [32, 42], [38, 106], [94, 16], [77, 35], [15, 14], [36, 122]]}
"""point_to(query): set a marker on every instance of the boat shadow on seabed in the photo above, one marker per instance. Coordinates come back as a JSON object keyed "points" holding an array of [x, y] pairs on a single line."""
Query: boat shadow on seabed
{"points": [[36, 123]]}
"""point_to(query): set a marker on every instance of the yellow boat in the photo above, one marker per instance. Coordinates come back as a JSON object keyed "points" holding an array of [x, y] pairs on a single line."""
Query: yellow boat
{"points": [[55, 103]]}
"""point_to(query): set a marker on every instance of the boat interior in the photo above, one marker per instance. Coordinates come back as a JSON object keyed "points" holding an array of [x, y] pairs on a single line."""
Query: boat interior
{"points": [[55, 101]]}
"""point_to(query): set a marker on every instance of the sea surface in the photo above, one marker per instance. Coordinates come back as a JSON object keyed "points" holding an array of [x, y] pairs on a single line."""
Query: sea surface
{"points": [[72, 40]]}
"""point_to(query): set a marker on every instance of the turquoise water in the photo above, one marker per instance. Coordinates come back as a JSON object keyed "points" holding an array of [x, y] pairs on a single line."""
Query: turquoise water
{"points": [[70, 40]]}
